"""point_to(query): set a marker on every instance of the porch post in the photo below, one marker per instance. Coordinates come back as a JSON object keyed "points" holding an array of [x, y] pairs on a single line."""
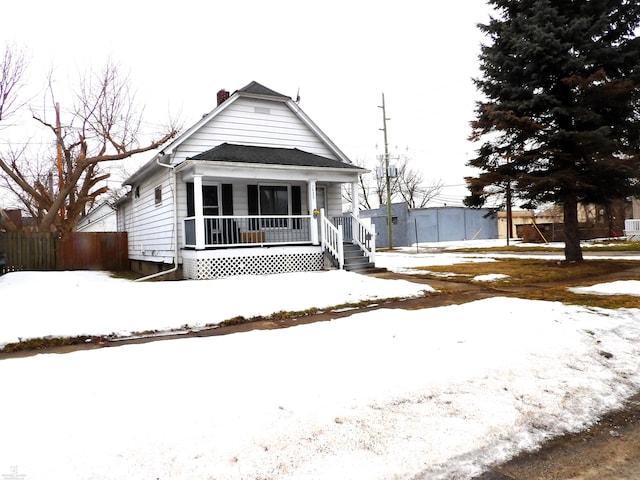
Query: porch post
{"points": [[313, 205], [197, 204], [355, 211], [355, 204]]}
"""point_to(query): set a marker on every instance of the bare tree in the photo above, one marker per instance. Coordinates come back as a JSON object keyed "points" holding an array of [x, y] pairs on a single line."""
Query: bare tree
{"points": [[13, 68], [364, 188], [39, 170], [412, 187], [102, 126], [405, 183]]}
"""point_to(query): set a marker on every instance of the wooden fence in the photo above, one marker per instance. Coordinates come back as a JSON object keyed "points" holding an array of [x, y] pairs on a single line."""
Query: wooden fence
{"points": [[71, 251], [554, 232]]}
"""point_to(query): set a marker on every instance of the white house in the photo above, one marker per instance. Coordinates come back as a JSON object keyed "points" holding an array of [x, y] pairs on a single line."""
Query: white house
{"points": [[101, 218], [632, 225], [251, 188]]}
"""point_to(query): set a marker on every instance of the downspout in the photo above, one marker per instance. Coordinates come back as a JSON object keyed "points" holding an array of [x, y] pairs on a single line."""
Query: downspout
{"points": [[175, 224]]}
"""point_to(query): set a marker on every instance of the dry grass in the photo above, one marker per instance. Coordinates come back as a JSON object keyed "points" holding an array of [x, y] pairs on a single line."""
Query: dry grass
{"points": [[595, 246], [565, 296], [542, 279], [527, 271]]}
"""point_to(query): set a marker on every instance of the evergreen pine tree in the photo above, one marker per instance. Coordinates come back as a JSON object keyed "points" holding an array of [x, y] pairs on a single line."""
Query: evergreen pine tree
{"points": [[560, 115]]}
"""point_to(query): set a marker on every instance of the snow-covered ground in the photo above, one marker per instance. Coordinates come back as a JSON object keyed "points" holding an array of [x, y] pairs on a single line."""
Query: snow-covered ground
{"points": [[383, 394], [101, 305]]}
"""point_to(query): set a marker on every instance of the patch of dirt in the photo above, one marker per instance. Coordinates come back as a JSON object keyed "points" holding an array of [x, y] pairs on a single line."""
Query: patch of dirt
{"points": [[609, 450]]}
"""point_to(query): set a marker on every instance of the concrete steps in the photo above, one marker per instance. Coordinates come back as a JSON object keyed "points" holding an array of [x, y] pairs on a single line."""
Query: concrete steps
{"points": [[356, 261]]}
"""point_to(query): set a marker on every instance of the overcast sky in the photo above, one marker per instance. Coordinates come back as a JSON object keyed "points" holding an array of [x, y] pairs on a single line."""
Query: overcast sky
{"points": [[341, 56]]}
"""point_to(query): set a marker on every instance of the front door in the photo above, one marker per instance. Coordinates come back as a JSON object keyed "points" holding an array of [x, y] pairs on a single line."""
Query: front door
{"points": [[211, 206]]}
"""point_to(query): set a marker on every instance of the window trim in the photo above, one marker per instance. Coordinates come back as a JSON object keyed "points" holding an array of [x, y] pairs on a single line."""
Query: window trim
{"points": [[274, 185], [218, 187]]}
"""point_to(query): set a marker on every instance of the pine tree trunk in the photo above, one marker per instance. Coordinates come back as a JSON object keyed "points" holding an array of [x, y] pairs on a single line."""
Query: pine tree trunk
{"points": [[572, 250]]}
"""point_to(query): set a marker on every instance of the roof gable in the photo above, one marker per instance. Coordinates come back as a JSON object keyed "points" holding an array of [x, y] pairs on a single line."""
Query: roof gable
{"points": [[198, 137], [257, 89]]}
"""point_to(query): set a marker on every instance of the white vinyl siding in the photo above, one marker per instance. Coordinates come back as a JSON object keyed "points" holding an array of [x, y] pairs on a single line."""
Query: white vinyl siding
{"points": [[100, 219], [334, 200], [241, 124], [150, 226]]}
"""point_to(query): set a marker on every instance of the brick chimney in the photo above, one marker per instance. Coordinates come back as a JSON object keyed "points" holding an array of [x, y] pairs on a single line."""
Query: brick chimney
{"points": [[15, 216], [222, 96]]}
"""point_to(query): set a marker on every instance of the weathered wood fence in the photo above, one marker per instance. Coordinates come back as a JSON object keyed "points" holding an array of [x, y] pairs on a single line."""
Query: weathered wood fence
{"points": [[554, 232], [71, 251]]}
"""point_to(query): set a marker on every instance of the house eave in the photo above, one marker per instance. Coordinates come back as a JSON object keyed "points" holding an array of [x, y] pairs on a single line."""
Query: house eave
{"points": [[188, 168]]}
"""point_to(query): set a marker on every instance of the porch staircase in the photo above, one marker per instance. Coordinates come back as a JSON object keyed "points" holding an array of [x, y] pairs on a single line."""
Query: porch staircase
{"points": [[349, 244], [355, 260]]}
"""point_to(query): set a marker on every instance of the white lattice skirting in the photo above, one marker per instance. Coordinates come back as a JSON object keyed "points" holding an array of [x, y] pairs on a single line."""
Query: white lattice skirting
{"points": [[208, 264]]}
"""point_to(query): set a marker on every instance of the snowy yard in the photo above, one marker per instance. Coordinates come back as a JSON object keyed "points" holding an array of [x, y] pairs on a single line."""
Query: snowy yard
{"points": [[384, 394]]}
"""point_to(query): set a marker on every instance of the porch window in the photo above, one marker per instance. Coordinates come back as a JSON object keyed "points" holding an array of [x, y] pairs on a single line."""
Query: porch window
{"points": [[274, 200], [210, 203], [278, 200]]}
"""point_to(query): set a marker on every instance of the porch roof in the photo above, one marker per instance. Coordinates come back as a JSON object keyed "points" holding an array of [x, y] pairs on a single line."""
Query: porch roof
{"points": [[227, 152]]}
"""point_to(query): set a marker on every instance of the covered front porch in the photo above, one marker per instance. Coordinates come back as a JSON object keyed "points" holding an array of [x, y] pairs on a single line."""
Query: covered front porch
{"points": [[260, 245], [246, 218]]}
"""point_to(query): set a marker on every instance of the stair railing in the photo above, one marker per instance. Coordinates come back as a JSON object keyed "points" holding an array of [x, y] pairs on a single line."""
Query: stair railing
{"points": [[364, 236], [331, 239]]}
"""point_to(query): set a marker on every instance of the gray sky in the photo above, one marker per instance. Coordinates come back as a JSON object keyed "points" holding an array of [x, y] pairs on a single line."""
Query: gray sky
{"points": [[341, 55]]}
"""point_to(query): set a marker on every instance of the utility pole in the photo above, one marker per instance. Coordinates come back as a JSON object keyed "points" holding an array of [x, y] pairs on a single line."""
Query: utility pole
{"points": [[386, 171]]}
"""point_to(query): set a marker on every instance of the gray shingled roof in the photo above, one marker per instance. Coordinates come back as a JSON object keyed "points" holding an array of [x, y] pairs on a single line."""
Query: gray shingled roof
{"points": [[227, 152], [255, 87]]}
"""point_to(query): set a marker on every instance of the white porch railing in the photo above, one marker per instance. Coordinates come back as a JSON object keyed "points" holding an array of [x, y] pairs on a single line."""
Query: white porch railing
{"points": [[250, 230], [347, 225], [365, 237], [254, 230], [359, 233], [632, 229], [331, 239]]}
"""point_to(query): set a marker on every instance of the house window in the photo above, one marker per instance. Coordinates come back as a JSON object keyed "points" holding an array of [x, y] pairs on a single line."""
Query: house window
{"points": [[280, 200], [274, 200], [158, 195], [210, 201]]}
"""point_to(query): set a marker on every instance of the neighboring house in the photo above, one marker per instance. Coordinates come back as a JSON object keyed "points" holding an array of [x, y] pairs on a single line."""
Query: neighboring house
{"points": [[12, 220], [101, 218], [438, 224], [518, 217], [594, 221], [248, 189], [635, 208], [632, 225]]}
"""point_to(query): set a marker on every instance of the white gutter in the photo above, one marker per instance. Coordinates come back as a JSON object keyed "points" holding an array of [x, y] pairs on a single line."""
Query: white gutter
{"points": [[175, 224]]}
